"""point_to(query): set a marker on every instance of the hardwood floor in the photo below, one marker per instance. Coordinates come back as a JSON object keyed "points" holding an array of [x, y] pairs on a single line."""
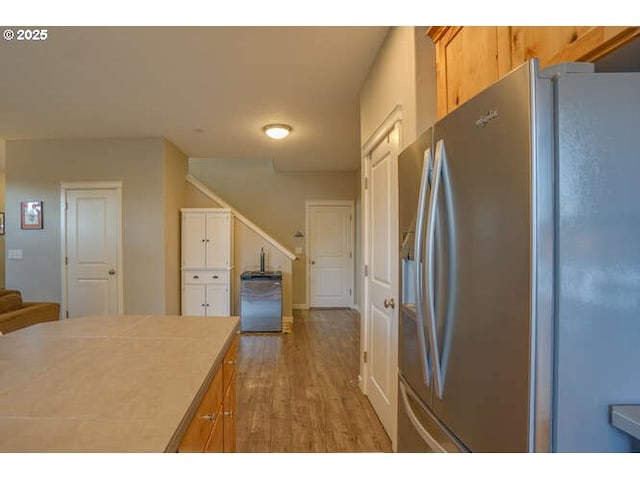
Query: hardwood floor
{"points": [[298, 392]]}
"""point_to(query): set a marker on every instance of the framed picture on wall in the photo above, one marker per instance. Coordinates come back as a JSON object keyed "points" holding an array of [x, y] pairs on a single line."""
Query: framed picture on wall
{"points": [[1, 223], [31, 215]]}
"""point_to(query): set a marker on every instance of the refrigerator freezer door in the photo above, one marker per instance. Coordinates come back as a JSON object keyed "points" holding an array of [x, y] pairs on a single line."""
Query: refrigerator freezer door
{"points": [[418, 430], [598, 305], [485, 343]]}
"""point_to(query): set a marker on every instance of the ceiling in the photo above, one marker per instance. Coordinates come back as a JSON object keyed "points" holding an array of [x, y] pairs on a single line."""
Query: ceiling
{"points": [[208, 90]]}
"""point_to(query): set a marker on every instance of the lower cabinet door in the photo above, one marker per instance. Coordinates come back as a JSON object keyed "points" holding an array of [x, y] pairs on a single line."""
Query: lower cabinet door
{"points": [[229, 416], [209, 411], [193, 300], [216, 440], [218, 300]]}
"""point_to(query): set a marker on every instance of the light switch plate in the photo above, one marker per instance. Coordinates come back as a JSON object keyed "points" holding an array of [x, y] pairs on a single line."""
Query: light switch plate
{"points": [[14, 253], [298, 250]]}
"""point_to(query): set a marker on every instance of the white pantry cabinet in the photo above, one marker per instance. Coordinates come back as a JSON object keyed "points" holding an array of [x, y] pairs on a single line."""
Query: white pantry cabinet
{"points": [[207, 261]]}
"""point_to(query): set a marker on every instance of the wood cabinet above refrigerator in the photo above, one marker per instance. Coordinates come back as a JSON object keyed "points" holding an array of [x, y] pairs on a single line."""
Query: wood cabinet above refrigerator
{"points": [[469, 59]]}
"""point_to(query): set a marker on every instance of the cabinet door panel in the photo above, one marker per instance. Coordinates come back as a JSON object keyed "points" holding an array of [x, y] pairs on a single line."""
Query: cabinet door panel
{"points": [[193, 239], [216, 440], [194, 300], [217, 300], [230, 363], [229, 416], [217, 240], [198, 433], [471, 63], [542, 42]]}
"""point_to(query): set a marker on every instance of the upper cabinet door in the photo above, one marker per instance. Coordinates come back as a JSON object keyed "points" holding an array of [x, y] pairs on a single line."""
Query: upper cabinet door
{"points": [[218, 240], [467, 61], [567, 44], [194, 238]]}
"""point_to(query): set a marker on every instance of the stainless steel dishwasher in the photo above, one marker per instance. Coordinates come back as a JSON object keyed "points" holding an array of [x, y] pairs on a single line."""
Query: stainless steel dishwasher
{"points": [[261, 301]]}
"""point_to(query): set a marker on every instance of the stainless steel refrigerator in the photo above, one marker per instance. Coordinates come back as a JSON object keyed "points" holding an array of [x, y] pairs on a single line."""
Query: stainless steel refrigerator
{"points": [[520, 272]]}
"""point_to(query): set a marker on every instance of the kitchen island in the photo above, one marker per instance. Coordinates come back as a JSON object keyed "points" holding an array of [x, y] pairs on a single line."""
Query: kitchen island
{"points": [[110, 383]]}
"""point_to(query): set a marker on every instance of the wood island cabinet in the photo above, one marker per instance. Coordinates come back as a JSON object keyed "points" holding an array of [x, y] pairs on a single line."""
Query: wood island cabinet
{"points": [[469, 59], [213, 426]]}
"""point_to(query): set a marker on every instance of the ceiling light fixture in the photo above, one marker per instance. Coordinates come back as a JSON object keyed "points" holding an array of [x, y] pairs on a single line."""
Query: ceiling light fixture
{"points": [[276, 130]]}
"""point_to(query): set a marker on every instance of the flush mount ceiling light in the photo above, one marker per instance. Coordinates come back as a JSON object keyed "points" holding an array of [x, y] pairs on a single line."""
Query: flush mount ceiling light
{"points": [[276, 130]]}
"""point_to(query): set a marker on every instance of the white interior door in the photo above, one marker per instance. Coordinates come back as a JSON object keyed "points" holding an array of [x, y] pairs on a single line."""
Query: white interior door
{"points": [[92, 252], [381, 316], [330, 233]]}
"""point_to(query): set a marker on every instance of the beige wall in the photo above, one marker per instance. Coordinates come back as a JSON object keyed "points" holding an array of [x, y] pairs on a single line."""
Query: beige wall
{"points": [[175, 171], [274, 201], [391, 82], [247, 244], [2, 249], [35, 169], [425, 80], [402, 74]]}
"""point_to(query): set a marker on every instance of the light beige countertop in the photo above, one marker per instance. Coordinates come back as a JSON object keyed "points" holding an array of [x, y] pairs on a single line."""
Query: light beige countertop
{"points": [[107, 384]]}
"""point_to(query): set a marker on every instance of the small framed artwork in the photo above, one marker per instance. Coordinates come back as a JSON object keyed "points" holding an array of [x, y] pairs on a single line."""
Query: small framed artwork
{"points": [[31, 215], [1, 223]]}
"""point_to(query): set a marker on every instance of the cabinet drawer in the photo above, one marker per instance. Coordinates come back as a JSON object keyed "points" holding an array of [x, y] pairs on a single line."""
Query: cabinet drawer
{"points": [[205, 276]]}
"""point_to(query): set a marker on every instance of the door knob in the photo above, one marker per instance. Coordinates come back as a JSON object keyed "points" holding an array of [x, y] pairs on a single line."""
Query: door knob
{"points": [[313, 262], [112, 271], [389, 303]]}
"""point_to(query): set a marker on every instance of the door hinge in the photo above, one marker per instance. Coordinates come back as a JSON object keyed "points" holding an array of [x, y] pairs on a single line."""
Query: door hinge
{"points": [[350, 292], [350, 254], [366, 270], [364, 357], [67, 313], [366, 183], [66, 206]]}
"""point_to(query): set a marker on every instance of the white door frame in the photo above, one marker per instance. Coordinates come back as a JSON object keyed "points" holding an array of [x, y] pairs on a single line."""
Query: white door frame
{"points": [[386, 127], [335, 203], [64, 187]]}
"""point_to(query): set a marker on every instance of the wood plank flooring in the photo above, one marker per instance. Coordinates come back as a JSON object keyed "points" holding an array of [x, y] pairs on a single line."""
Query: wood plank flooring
{"points": [[298, 392]]}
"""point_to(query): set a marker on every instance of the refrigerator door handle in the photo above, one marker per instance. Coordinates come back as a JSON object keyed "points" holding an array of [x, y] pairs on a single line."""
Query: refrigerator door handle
{"points": [[422, 205], [429, 260], [420, 430]]}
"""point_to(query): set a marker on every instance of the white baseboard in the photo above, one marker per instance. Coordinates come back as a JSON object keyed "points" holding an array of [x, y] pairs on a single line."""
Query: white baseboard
{"points": [[355, 307], [300, 306]]}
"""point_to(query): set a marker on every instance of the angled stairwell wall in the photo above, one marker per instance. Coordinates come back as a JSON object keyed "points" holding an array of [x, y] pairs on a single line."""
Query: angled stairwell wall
{"points": [[248, 239], [275, 201]]}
